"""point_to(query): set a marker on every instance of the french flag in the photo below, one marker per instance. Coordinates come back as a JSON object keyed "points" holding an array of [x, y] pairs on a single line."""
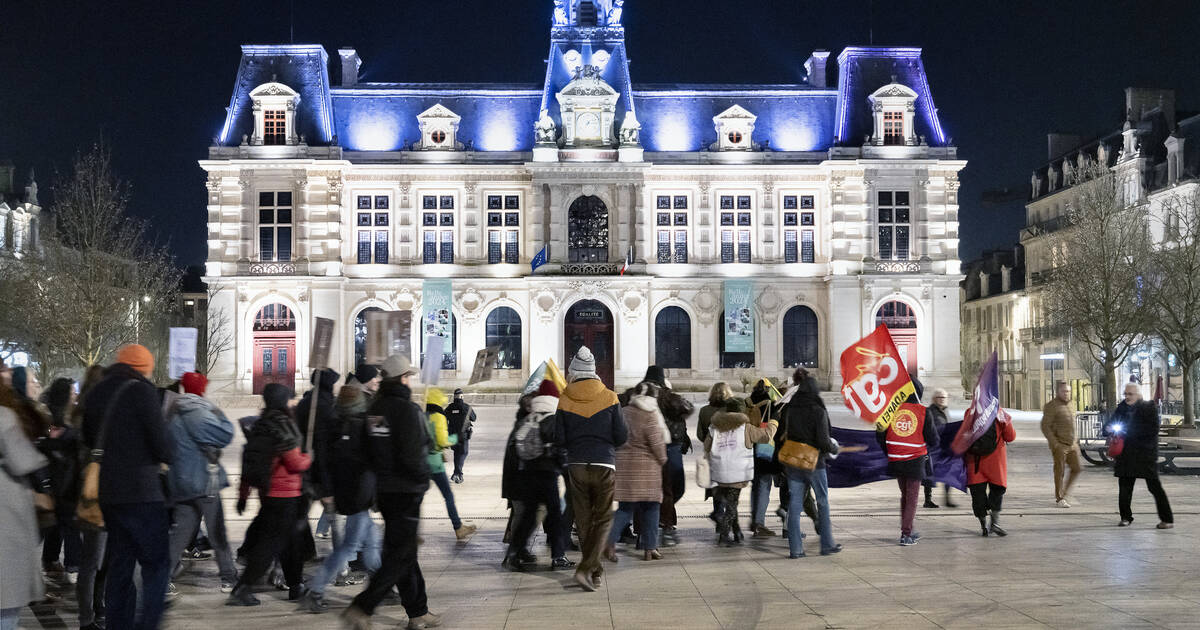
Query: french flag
{"points": [[628, 261]]}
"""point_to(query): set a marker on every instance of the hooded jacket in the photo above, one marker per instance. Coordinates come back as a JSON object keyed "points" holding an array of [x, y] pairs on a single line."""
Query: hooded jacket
{"points": [[326, 428], [435, 399], [1141, 423], [519, 477], [640, 460], [289, 463], [808, 422], [353, 481], [136, 443], [588, 423], [723, 421], [460, 419], [198, 430], [398, 440]]}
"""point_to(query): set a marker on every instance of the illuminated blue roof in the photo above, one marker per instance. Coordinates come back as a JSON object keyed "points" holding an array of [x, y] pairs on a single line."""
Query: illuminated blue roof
{"points": [[302, 67], [862, 70]]}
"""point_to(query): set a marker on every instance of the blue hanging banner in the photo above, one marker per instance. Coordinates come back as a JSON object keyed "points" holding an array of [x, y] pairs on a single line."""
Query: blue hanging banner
{"points": [[437, 319], [738, 326]]}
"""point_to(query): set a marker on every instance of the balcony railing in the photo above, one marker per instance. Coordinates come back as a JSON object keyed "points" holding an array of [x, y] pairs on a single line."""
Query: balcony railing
{"points": [[591, 269], [291, 268]]}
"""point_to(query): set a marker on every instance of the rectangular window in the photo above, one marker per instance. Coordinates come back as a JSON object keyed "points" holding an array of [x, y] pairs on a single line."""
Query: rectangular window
{"points": [[446, 202], [447, 250], [894, 220], [743, 202], [494, 219], [364, 247], [283, 243], [664, 218], [364, 218], [429, 248], [429, 202], [381, 247], [512, 219], [680, 218], [743, 219], [267, 356], [681, 202], [494, 246], [790, 249], [493, 202], [663, 202], [789, 202], [726, 246], [447, 218], [727, 202], [364, 202], [512, 248], [807, 248], [381, 219], [893, 127], [744, 246], [266, 244], [381, 202], [429, 219], [807, 218], [274, 127], [789, 218], [807, 202], [274, 226], [681, 252], [283, 362], [512, 202], [726, 218], [664, 246]]}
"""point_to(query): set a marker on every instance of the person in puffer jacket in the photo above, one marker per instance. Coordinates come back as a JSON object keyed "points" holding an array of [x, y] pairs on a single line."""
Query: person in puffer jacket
{"points": [[730, 449], [198, 431], [435, 405], [276, 519]]}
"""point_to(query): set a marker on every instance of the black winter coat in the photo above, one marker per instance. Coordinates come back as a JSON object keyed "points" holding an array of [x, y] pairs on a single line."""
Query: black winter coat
{"points": [[460, 421], [519, 478], [1140, 457], [808, 422], [675, 410], [136, 443], [353, 481], [398, 440], [318, 479]]}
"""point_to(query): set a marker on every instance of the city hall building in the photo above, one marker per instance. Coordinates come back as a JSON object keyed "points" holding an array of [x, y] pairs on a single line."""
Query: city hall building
{"points": [[716, 230]]}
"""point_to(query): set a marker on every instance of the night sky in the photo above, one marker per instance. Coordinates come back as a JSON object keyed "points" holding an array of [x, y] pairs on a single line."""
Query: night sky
{"points": [[154, 78]]}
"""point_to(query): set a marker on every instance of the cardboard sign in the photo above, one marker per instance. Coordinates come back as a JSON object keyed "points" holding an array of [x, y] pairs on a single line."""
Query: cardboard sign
{"points": [[182, 351], [485, 363], [874, 381], [388, 333], [321, 343], [431, 367]]}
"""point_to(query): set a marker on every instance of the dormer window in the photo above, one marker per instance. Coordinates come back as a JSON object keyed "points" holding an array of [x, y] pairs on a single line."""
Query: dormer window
{"points": [[274, 115], [735, 129], [893, 106], [439, 129]]}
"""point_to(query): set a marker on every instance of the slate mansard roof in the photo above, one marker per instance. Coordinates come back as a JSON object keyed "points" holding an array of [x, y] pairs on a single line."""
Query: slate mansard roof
{"points": [[499, 117]]}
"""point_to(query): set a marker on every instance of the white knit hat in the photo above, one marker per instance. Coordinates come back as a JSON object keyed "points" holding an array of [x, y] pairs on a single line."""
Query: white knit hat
{"points": [[583, 365]]}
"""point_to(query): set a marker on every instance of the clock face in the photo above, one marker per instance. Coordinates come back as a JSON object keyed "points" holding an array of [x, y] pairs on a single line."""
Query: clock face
{"points": [[589, 125]]}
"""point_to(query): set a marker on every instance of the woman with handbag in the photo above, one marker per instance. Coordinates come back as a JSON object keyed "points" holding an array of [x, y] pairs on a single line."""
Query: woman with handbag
{"points": [[803, 457], [730, 450]]}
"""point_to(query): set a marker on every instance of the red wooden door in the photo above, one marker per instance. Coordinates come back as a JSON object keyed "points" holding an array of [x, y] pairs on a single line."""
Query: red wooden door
{"points": [[589, 323]]}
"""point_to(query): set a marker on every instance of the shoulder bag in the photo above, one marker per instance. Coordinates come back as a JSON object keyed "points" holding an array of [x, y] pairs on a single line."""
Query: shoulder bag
{"points": [[799, 455], [87, 511]]}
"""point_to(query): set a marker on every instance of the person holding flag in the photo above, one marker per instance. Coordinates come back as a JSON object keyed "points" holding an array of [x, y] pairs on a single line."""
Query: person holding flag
{"points": [[981, 439], [907, 440]]}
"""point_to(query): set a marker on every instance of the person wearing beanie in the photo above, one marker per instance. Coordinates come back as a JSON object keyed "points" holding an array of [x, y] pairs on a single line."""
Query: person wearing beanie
{"points": [[136, 445], [588, 424], [199, 430], [528, 483], [460, 419], [365, 377]]}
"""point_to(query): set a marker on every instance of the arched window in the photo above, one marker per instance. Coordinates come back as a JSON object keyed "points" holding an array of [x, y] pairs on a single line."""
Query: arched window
{"points": [[896, 314], [450, 352], [673, 338], [587, 230], [504, 330], [360, 334], [799, 337], [274, 317], [731, 359]]}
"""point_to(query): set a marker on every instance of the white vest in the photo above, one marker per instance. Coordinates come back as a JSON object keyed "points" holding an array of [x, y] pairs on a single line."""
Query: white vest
{"points": [[731, 461]]}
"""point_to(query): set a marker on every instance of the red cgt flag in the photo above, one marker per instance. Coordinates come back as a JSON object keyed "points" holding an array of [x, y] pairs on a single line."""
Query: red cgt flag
{"points": [[874, 381]]}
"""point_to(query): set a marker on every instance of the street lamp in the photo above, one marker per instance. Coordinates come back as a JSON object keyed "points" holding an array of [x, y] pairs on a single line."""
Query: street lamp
{"points": [[1052, 357]]}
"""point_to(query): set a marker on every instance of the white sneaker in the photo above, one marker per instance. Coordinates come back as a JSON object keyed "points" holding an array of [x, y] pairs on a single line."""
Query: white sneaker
{"points": [[1062, 503]]}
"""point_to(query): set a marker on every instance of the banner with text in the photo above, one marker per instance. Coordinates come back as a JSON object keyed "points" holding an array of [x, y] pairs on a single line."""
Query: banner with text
{"points": [[438, 319], [874, 381], [738, 326]]}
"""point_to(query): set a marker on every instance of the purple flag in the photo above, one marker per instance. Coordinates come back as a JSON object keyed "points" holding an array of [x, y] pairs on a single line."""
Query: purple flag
{"points": [[985, 404]]}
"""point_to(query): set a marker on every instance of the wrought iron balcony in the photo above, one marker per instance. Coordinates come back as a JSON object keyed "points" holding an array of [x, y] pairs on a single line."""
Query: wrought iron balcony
{"points": [[591, 269], [289, 268], [898, 266]]}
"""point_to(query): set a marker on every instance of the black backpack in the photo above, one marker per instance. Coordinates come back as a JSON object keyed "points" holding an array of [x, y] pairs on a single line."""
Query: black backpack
{"points": [[353, 479], [257, 458], [986, 444]]}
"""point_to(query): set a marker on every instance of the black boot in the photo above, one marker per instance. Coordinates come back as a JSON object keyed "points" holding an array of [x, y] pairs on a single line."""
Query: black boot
{"points": [[983, 525], [241, 596], [996, 529], [737, 533], [929, 498]]}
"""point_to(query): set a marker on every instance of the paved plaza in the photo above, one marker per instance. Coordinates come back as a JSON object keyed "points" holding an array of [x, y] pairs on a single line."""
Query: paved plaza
{"points": [[1060, 568]]}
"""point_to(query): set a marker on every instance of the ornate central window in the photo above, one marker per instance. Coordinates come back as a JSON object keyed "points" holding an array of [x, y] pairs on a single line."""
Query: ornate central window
{"points": [[275, 226], [894, 224], [504, 228], [438, 231], [371, 222], [587, 230], [671, 227]]}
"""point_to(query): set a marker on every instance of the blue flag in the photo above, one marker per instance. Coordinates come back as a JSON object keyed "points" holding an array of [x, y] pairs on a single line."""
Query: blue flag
{"points": [[539, 259], [869, 465]]}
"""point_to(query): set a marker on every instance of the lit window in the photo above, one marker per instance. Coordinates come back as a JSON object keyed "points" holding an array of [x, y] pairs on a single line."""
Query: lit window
{"points": [[274, 226], [439, 234], [744, 246], [672, 244], [893, 220], [893, 127], [274, 126], [735, 137], [494, 246], [503, 329], [504, 245], [373, 244], [438, 137], [790, 247]]}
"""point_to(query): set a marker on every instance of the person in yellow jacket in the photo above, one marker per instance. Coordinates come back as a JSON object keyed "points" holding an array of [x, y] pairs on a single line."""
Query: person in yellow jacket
{"points": [[435, 405], [1058, 425]]}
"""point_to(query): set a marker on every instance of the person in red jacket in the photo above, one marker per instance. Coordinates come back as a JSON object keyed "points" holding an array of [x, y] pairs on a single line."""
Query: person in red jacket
{"points": [[276, 519], [987, 475]]}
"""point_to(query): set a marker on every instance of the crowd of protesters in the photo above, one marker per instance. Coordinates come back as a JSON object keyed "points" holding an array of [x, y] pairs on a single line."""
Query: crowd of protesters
{"points": [[124, 479]]}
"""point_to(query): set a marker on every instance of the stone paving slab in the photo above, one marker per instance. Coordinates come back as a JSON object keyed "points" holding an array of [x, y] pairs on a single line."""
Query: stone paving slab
{"points": [[1058, 568]]}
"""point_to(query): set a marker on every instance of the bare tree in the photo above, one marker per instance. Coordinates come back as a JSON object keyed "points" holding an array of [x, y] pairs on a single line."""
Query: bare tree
{"points": [[95, 282], [1173, 284], [1099, 260], [218, 334]]}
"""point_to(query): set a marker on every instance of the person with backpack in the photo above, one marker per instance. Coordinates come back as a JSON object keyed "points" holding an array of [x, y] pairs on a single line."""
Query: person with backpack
{"points": [[730, 450], [273, 464], [532, 464], [808, 423], [124, 421], [398, 443], [199, 430], [639, 462], [435, 401], [906, 443], [353, 494], [986, 461], [461, 421]]}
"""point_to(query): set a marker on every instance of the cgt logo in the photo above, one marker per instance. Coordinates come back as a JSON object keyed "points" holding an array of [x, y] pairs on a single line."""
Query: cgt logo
{"points": [[905, 423], [867, 391]]}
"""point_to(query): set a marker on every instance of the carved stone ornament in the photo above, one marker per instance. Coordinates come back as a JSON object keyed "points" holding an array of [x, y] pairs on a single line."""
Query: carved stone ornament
{"points": [[302, 294], [768, 303], [589, 288], [470, 304], [868, 288], [245, 178], [926, 290], [242, 294], [546, 303], [543, 129], [213, 183], [707, 303], [406, 300], [633, 304]]}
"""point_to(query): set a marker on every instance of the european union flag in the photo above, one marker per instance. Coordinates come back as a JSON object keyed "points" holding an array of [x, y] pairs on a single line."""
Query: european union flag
{"points": [[539, 259]]}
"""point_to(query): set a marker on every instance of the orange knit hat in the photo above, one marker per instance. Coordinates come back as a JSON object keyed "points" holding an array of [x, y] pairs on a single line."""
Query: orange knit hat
{"points": [[137, 357]]}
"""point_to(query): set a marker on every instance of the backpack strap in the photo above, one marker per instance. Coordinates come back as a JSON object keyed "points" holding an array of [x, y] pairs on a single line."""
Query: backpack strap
{"points": [[98, 447]]}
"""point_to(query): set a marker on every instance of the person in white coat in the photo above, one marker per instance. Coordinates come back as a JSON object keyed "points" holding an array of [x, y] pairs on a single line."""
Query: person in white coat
{"points": [[21, 574]]}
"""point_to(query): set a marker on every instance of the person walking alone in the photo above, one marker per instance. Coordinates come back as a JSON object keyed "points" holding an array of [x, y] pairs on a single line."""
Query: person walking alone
{"points": [[907, 441], [435, 402], [398, 443], [638, 487], [1136, 422], [986, 461], [1058, 425], [460, 420], [588, 424]]}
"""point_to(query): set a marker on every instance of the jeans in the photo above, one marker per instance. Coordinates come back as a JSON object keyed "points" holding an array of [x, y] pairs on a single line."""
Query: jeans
{"points": [[187, 522], [674, 483], [760, 497], [137, 535], [89, 588], [1125, 497], [910, 489], [360, 533], [276, 536], [800, 482], [545, 487], [725, 508], [331, 522], [647, 515], [460, 455], [399, 567], [443, 485], [592, 493], [9, 618], [1065, 459], [986, 497]]}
